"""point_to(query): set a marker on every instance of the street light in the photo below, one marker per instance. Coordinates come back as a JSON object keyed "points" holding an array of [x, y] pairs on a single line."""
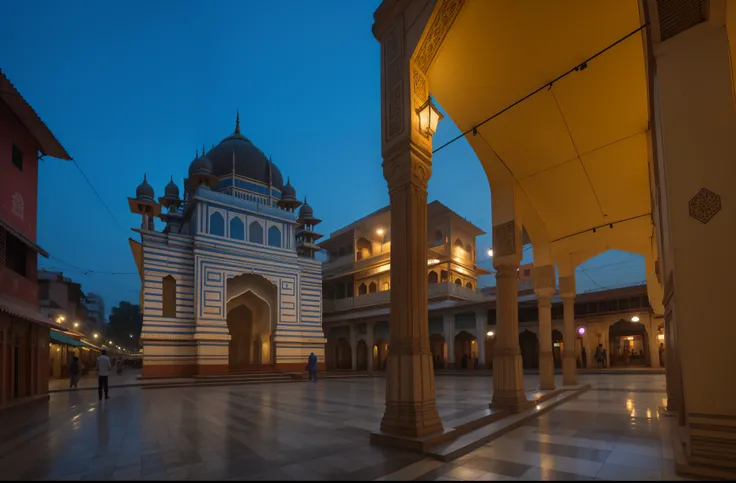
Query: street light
{"points": [[490, 333], [95, 335], [490, 252], [429, 117], [635, 318], [581, 330], [76, 324]]}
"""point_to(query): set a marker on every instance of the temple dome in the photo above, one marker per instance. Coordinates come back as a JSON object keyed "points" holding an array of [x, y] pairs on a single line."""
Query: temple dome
{"points": [[171, 189], [144, 191], [200, 165], [250, 162], [288, 193], [306, 211]]}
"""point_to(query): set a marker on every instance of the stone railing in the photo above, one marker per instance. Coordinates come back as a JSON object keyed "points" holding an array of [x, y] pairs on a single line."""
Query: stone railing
{"points": [[384, 297], [347, 262]]}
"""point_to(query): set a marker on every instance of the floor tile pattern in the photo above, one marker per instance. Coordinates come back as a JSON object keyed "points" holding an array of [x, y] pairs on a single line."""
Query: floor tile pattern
{"points": [[320, 432]]}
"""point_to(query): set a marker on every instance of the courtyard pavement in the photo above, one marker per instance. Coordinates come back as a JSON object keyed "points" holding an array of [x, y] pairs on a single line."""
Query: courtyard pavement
{"points": [[306, 431]]}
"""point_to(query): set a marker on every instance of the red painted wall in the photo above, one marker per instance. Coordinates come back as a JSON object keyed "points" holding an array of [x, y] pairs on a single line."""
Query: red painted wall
{"points": [[15, 181]]}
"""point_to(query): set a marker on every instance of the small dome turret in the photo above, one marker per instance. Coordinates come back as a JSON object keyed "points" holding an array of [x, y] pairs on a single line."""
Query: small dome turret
{"points": [[171, 189], [306, 211], [144, 191], [288, 193], [200, 165]]}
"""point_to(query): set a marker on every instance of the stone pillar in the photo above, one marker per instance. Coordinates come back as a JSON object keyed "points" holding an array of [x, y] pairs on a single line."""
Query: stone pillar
{"points": [[369, 342], [544, 288], [481, 327], [508, 374], [567, 292], [353, 348], [411, 409], [448, 328]]}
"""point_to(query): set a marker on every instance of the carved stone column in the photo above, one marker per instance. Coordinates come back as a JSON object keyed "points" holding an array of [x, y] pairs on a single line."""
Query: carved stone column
{"points": [[481, 327], [410, 396], [544, 288], [369, 342], [508, 373], [567, 292], [448, 328]]}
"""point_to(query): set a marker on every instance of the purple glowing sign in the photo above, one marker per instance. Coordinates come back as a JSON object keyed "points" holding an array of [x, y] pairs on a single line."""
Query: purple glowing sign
{"points": [[581, 330]]}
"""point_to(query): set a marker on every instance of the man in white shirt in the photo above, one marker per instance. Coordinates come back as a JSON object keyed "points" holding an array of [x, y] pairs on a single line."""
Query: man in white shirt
{"points": [[103, 370]]}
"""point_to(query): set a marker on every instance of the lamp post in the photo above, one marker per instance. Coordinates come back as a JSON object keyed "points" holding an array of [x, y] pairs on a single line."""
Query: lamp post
{"points": [[381, 232]]}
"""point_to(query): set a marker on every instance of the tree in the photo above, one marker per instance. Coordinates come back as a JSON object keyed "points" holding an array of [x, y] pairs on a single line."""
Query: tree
{"points": [[126, 320]]}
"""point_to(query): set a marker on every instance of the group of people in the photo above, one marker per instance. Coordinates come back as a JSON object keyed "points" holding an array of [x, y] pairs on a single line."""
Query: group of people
{"points": [[601, 357]]}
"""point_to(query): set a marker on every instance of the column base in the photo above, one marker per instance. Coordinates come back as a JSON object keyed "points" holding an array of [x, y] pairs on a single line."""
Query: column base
{"points": [[546, 371], [569, 374], [508, 381], [410, 411]]}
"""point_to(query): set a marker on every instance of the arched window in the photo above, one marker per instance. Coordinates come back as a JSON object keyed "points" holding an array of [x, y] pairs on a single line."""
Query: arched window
{"points": [[255, 233], [438, 235], [458, 282], [217, 224], [469, 285], [372, 287], [459, 243], [362, 289], [384, 286], [274, 237], [432, 277], [169, 296], [444, 276], [237, 229]]}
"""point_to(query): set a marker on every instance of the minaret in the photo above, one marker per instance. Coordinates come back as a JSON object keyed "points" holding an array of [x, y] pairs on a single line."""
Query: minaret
{"points": [[145, 205], [305, 234], [171, 201], [288, 199]]}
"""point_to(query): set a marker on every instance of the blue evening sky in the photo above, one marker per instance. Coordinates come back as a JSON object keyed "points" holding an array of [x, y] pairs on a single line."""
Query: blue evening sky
{"points": [[136, 87]]}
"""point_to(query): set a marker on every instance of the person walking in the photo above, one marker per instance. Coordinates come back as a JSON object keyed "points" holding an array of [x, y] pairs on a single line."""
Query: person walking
{"points": [[103, 371], [312, 366], [75, 370]]}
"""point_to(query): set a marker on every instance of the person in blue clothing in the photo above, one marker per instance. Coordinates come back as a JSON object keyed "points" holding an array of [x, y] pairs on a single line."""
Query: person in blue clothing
{"points": [[312, 366]]}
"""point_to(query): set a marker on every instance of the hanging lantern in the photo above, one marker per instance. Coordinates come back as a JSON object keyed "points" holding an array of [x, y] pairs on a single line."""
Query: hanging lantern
{"points": [[429, 117]]}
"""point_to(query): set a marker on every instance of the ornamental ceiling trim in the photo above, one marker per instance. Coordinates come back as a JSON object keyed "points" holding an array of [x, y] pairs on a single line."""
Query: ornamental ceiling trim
{"points": [[445, 14]]}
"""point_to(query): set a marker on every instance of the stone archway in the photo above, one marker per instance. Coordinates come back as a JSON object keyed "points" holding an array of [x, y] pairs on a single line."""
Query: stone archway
{"points": [[343, 354], [251, 319], [529, 345], [465, 350], [628, 344], [439, 350]]}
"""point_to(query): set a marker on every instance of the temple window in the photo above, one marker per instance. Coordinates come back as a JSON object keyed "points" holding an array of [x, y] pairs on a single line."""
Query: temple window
{"points": [[169, 296], [274, 237], [255, 233], [237, 229], [217, 224], [372, 287]]}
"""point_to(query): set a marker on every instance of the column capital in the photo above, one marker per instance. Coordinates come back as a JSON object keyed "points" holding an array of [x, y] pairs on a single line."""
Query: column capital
{"points": [[544, 296], [507, 245], [567, 287], [544, 277]]}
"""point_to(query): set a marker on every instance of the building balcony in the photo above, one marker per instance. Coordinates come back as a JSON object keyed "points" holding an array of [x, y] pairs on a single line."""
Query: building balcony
{"points": [[436, 290], [345, 265]]}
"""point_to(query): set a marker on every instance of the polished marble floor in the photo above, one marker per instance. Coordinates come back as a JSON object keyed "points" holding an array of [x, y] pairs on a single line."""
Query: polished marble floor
{"points": [[320, 431]]}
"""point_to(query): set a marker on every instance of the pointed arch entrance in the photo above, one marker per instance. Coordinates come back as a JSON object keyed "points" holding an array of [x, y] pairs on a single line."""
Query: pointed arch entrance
{"points": [[251, 319], [629, 344], [529, 345]]}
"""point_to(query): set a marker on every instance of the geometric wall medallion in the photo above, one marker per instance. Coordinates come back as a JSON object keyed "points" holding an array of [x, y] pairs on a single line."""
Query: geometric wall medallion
{"points": [[705, 205]]}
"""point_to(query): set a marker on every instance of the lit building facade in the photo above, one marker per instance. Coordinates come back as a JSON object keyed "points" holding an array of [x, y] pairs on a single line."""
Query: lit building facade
{"points": [[462, 316], [24, 330], [230, 284], [96, 312]]}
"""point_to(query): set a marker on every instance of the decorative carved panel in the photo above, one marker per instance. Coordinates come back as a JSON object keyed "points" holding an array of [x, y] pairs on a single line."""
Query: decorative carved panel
{"points": [[705, 205], [393, 85], [446, 14], [504, 239]]}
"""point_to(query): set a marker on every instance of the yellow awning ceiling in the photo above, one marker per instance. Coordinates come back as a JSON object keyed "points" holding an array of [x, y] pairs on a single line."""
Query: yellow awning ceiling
{"points": [[137, 249], [579, 149]]}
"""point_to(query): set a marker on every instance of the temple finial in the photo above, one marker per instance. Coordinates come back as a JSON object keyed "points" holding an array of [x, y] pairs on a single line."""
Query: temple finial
{"points": [[172, 178], [288, 179], [144, 177], [203, 150], [237, 121]]}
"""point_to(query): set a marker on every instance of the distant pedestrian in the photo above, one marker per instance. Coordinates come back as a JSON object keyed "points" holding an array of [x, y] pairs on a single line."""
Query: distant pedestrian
{"points": [[119, 366], [312, 367], [103, 371], [584, 356], [75, 370], [604, 357], [599, 356]]}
